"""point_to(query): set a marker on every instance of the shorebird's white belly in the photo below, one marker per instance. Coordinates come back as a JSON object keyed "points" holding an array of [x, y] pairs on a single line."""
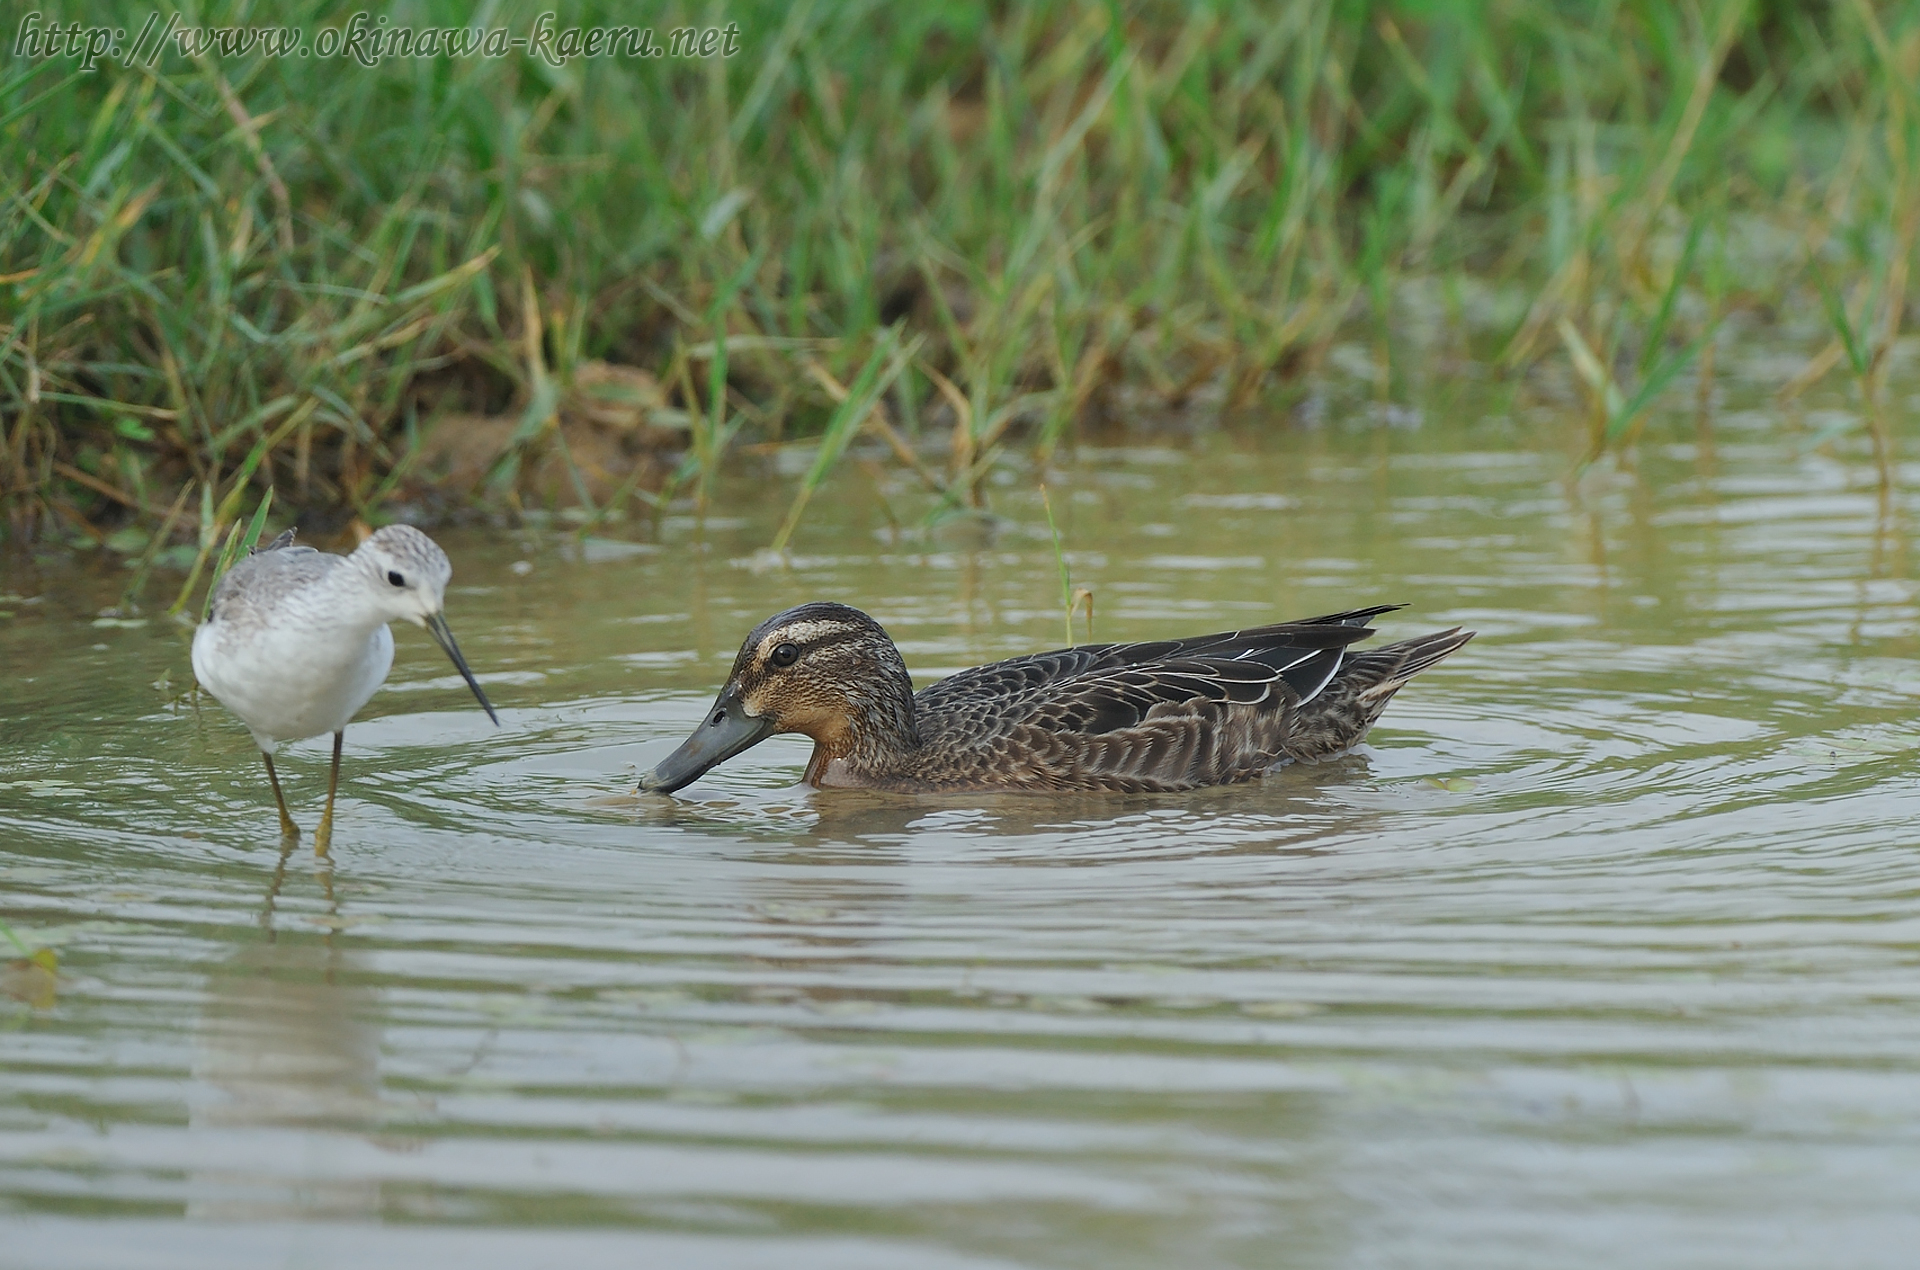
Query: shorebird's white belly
{"points": [[288, 682]]}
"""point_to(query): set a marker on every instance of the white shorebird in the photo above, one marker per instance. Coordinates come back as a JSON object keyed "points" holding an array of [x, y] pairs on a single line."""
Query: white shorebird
{"points": [[297, 640]]}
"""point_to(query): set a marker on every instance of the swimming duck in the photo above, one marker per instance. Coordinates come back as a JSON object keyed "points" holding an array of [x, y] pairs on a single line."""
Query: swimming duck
{"points": [[1155, 717]]}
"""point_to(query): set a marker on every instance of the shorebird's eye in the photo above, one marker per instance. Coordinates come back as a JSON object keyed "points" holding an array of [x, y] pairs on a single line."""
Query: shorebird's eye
{"points": [[393, 576], [785, 655]]}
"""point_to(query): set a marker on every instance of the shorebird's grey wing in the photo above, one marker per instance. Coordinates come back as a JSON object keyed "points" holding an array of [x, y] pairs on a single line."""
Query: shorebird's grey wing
{"points": [[259, 583]]}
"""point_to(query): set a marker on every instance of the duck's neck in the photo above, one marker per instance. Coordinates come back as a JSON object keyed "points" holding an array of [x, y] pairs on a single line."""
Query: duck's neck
{"points": [[877, 735]]}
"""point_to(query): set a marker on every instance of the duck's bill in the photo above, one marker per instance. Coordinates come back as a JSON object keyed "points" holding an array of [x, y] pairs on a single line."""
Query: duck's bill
{"points": [[443, 636], [728, 729]]}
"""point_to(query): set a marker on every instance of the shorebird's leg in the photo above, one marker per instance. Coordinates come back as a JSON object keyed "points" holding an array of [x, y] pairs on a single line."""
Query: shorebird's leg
{"points": [[288, 829], [323, 836]]}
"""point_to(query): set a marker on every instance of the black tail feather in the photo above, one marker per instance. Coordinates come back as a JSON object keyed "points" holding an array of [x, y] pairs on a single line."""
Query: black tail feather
{"points": [[1340, 717], [1397, 663], [1352, 617]]}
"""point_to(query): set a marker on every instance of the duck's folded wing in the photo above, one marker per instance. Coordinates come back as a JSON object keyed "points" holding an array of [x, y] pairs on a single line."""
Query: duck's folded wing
{"points": [[1011, 679], [1108, 699], [1293, 651], [1174, 725]]}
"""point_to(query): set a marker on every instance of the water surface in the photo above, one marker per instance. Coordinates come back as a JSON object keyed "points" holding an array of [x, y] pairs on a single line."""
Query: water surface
{"points": [[1602, 952]]}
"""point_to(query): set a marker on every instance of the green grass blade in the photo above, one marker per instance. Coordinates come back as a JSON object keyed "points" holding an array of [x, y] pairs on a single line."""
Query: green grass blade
{"points": [[1657, 330], [1841, 323], [886, 361], [240, 541], [1652, 386], [1060, 562]]}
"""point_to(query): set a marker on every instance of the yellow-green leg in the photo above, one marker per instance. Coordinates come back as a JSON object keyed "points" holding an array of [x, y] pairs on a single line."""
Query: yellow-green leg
{"points": [[288, 829], [323, 836]]}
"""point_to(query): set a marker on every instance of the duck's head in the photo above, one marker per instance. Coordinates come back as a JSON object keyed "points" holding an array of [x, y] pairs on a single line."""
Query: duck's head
{"points": [[824, 670]]}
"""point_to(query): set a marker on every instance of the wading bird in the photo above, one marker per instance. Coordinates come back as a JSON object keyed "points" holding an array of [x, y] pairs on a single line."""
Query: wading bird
{"points": [[297, 640]]}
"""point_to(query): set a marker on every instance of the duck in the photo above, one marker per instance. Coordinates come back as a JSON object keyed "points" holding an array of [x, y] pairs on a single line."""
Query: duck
{"points": [[1162, 716]]}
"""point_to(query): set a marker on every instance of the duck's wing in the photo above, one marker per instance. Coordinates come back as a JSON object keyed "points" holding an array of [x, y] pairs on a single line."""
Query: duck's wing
{"points": [[1179, 667], [1165, 715]]}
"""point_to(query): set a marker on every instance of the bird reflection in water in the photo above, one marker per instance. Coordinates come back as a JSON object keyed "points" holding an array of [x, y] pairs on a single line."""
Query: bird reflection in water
{"points": [[286, 1071]]}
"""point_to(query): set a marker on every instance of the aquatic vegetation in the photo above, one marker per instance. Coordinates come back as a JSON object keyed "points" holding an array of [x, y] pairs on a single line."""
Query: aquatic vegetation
{"points": [[34, 976], [224, 273], [1070, 595]]}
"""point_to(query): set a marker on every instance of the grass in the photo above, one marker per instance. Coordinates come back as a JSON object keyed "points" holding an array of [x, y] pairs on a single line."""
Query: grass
{"points": [[1002, 226], [1070, 595]]}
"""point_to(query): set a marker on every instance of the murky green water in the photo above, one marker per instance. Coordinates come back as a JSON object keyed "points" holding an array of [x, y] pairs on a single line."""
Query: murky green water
{"points": [[1606, 952]]}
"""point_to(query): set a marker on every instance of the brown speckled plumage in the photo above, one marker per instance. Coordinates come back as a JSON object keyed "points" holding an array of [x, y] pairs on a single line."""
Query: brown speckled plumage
{"points": [[1150, 717]]}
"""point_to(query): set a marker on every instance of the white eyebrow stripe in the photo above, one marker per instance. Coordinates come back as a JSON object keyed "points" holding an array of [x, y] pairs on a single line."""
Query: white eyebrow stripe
{"points": [[797, 633]]}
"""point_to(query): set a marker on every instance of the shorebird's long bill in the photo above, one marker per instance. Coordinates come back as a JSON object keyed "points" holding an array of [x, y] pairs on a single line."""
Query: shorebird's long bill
{"points": [[437, 626], [728, 729]]}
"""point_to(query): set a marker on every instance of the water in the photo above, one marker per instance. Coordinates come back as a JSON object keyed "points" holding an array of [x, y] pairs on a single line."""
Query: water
{"points": [[1602, 953]]}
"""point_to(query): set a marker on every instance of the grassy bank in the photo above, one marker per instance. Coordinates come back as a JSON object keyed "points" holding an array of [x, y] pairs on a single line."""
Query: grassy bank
{"points": [[478, 281]]}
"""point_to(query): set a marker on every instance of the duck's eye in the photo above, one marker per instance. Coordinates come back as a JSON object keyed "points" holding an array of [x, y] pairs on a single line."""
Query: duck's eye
{"points": [[785, 655], [393, 576]]}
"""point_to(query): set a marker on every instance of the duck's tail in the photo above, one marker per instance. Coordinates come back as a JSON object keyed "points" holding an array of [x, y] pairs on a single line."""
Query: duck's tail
{"points": [[1347, 708]]}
